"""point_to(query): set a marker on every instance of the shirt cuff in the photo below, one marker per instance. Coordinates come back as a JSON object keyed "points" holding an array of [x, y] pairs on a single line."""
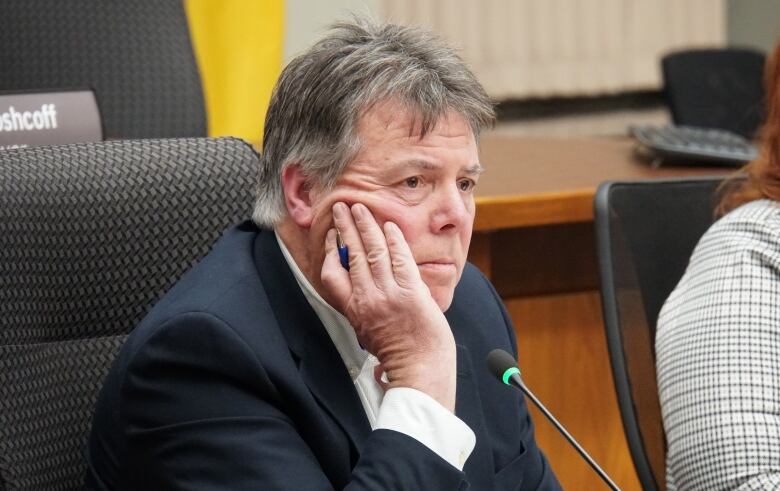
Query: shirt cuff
{"points": [[419, 416]]}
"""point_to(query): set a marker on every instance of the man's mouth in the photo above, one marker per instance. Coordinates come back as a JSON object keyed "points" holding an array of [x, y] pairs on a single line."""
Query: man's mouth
{"points": [[437, 265]]}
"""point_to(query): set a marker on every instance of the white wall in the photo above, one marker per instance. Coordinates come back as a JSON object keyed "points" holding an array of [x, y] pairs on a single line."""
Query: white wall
{"points": [[307, 20], [754, 23]]}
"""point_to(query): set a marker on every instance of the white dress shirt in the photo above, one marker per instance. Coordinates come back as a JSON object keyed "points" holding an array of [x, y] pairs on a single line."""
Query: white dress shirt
{"points": [[406, 410]]}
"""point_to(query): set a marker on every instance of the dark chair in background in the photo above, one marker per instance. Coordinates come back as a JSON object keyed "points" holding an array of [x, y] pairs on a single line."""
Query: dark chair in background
{"points": [[91, 236], [645, 234], [716, 88], [136, 56]]}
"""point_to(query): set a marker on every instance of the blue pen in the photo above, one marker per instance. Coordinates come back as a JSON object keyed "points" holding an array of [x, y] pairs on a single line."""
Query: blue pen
{"points": [[343, 250]]}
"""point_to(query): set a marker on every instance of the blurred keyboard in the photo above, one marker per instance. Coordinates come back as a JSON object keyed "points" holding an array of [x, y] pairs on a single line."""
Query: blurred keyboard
{"points": [[691, 144]]}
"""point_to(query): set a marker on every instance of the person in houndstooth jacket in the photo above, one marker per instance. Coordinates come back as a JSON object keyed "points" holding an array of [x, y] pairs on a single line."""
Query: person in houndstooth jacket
{"points": [[718, 337]]}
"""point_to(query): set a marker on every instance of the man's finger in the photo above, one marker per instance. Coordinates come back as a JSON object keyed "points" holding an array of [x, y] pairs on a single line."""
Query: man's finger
{"points": [[375, 244], [405, 269], [359, 271], [333, 275]]}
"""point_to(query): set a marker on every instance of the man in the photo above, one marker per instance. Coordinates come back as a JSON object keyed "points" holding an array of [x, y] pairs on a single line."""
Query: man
{"points": [[271, 365]]}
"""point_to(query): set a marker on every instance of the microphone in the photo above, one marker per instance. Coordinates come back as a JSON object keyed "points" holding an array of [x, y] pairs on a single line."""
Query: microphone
{"points": [[503, 366]]}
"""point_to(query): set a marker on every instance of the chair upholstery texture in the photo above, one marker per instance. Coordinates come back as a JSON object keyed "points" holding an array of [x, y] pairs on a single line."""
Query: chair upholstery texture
{"points": [[91, 235], [645, 234], [136, 55]]}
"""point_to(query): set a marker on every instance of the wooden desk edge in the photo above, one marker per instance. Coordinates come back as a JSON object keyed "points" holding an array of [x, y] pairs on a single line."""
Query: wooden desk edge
{"points": [[500, 212]]}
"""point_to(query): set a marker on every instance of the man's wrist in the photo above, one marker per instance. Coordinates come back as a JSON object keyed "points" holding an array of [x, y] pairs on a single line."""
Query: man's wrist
{"points": [[434, 374]]}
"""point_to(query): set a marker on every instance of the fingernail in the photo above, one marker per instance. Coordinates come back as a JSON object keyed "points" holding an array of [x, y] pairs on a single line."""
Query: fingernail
{"points": [[338, 209]]}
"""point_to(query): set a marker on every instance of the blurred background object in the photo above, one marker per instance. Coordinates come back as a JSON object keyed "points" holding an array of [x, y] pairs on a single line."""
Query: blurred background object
{"points": [[564, 67], [238, 44], [135, 55], [555, 68], [716, 88]]}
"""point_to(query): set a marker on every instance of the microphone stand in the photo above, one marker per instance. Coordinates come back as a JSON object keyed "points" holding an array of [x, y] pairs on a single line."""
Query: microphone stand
{"points": [[517, 380]]}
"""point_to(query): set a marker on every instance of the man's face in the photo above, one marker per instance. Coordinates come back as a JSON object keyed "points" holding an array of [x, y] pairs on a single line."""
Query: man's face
{"points": [[425, 186]]}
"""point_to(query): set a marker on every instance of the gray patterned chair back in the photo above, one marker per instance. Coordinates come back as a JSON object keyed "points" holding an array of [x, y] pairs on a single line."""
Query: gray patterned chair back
{"points": [[136, 55], [91, 236]]}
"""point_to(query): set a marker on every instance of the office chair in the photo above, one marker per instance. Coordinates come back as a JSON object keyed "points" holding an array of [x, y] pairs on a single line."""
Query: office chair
{"points": [[91, 236], [136, 56], [645, 234], [716, 88]]}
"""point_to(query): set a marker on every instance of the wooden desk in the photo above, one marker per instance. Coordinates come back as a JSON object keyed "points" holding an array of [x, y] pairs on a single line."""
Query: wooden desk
{"points": [[545, 181], [533, 237]]}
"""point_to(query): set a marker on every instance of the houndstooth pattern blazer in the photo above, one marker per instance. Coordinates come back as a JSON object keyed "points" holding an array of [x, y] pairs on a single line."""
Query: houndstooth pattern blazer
{"points": [[718, 357]]}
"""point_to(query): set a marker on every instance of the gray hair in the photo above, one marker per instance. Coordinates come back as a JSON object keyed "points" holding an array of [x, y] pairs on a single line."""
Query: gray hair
{"points": [[321, 94]]}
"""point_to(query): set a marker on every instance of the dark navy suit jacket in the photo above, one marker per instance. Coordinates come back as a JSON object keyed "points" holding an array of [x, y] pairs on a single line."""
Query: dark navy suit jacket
{"points": [[231, 382]]}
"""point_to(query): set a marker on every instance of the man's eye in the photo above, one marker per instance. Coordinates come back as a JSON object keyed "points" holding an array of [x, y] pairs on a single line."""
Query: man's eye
{"points": [[412, 182], [466, 184]]}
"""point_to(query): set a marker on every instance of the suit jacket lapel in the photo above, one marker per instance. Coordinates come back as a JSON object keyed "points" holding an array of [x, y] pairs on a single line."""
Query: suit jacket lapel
{"points": [[468, 407], [320, 364], [322, 369]]}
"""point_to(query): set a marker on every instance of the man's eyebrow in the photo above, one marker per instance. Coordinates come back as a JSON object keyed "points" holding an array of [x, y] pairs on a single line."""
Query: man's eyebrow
{"points": [[417, 164], [473, 169]]}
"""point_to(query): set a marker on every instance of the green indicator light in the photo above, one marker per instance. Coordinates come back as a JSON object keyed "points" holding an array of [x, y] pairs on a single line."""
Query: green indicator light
{"points": [[508, 373]]}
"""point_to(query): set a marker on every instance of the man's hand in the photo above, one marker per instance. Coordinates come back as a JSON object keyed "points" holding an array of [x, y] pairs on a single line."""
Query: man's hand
{"points": [[384, 298]]}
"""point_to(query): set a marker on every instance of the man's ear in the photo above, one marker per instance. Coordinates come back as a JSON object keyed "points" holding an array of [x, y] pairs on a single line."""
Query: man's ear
{"points": [[297, 195]]}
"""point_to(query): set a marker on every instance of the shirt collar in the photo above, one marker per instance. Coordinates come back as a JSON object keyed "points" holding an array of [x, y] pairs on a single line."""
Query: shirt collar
{"points": [[338, 327]]}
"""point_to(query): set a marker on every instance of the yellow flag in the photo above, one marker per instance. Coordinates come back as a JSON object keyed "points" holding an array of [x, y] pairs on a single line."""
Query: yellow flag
{"points": [[238, 45]]}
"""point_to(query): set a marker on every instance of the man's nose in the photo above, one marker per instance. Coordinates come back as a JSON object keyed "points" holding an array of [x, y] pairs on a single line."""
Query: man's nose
{"points": [[452, 210]]}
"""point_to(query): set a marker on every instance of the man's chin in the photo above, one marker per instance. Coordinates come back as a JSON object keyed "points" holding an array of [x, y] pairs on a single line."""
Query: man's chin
{"points": [[443, 297], [442, 289]]}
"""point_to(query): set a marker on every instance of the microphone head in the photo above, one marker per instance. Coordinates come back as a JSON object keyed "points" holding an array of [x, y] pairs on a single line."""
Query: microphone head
{"points": [[502, 365]]}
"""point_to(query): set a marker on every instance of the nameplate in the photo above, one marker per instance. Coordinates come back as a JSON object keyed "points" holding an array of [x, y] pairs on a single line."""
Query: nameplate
{"points": [[32, 119]]}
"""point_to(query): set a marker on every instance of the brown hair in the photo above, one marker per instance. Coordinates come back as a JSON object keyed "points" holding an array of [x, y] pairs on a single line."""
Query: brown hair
{"points": [[763, 174]]}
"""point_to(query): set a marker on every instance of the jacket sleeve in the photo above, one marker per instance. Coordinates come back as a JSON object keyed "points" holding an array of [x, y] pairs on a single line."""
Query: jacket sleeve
{"points": [[200, 412]]}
